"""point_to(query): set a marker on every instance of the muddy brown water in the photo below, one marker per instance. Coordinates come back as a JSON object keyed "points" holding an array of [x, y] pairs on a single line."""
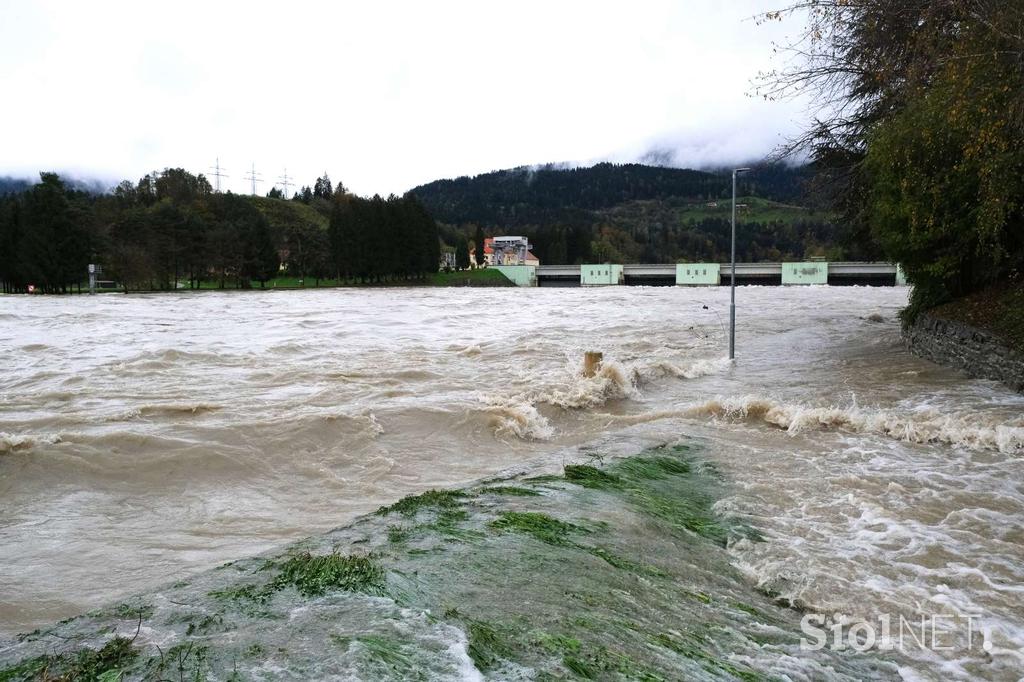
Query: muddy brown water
{"points": [[143, 438]]}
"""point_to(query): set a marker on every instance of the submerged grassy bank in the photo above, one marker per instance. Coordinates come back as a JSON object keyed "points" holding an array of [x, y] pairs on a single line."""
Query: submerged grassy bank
{"points": [[609, 570]]}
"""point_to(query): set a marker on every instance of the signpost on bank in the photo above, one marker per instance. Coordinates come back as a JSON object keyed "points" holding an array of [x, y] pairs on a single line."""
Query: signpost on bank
{"points": [[93, 271]]}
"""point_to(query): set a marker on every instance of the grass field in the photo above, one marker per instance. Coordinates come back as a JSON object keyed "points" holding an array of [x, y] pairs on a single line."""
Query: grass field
{"points": [[470, 278], [750, 209]]}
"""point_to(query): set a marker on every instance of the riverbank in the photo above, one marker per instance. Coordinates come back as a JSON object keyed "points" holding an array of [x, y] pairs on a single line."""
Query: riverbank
{"points": [[481, 277], [608, 569], [982, 334]]}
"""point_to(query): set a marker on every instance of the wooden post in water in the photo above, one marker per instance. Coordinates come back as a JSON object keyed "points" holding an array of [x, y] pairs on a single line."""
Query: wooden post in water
{"points": [[592, 362]]}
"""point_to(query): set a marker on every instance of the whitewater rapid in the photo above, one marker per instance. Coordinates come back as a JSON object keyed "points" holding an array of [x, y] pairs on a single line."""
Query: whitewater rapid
{"points": [[146, 437]]}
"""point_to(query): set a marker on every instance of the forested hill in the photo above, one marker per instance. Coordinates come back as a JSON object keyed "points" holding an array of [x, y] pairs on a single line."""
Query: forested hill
{"points": [[637, 213], [12, 185], [9, 185], [521, 196]]}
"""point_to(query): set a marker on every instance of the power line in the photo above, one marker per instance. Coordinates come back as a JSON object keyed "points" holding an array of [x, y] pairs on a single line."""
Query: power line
{"points": [[155, 175], [254, 177], [218, 173], [285, 180]]}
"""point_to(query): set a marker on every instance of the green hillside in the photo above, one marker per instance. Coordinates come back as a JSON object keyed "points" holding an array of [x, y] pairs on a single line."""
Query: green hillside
{"points": [[678, 229], [633, 213], [680, 210], [283, 215]]}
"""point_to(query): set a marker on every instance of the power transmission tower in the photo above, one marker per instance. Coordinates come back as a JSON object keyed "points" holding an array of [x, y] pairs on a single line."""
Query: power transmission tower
{"points": [[285, 181], [218, 173], [254, 177], [152, 185]]}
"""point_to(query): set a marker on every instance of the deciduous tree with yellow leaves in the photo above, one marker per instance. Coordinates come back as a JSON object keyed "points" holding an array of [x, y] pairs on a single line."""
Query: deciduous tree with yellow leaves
{"points": [[920, 125]]}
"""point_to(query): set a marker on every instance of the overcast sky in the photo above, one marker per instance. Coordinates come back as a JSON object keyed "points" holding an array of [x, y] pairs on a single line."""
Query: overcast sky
{"points": [[382, 95]]}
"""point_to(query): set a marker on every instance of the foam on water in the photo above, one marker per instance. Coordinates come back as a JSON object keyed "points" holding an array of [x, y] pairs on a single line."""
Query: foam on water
{"points": [[331, 403], [611, 382], [518, 418], [972, 430], [566, 389], [693, 370], [9, 442]]}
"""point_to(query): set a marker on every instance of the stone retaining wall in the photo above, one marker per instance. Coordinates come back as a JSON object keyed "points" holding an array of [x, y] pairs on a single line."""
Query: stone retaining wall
{"points": [[968, 348]]}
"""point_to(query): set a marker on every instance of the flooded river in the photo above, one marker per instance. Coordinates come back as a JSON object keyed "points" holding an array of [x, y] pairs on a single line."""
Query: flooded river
{"points": [[143, 438]]}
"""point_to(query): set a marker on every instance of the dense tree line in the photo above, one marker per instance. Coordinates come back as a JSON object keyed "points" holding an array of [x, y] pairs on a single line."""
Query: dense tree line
{"points": [[919, 134], [374, 240], [171, 231], [47, 235]]}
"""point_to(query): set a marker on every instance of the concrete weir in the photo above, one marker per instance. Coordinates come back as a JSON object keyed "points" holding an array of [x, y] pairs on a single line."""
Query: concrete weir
{"points": [[715, 274]]}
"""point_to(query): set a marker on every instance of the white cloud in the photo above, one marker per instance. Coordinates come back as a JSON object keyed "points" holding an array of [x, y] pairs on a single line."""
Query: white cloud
{"points": [[383, 95]]}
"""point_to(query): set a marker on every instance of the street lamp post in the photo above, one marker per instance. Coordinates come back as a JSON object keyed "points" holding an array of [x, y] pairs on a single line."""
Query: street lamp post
{"points": [[732, 283]]}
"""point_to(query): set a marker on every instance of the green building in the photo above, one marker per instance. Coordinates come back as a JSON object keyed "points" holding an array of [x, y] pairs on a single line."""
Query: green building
{"points": [[813, 272], [601, 274], [520, 275], [698, 274]]}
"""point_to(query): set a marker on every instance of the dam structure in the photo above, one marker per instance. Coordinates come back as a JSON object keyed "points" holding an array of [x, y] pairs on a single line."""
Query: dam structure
{"points": [[705, 274]]}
